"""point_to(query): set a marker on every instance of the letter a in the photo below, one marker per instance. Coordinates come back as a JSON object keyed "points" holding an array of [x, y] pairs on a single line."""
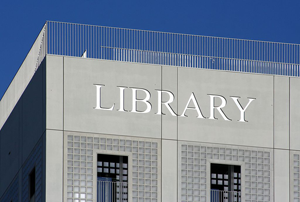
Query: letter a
{"points": [[193, 99]]}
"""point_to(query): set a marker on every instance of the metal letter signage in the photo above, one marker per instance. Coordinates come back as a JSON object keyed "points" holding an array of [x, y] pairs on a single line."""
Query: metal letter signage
{"points": [[145, 100], [239, 106], [98, 102], [160, 103], [197, 108], [192, 103], [219, 108]]}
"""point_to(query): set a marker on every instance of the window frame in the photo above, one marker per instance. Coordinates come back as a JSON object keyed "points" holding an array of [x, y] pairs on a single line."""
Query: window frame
{"points": [[224, 162], [114, 153]]}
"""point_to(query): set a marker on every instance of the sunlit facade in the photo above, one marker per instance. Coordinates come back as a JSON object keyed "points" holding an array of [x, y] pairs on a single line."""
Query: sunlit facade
{"points": [[101, 114]]}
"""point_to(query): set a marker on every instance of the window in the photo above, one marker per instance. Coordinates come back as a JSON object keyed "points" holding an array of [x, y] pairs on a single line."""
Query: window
{"points": [[112, 176], [31, 184], [225, 183]]}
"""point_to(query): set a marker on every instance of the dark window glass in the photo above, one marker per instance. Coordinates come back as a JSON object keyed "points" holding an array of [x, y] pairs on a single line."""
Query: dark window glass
{"points": [[112, 167], [225, 182], [32, 183], [112, 174], [225, 177]]}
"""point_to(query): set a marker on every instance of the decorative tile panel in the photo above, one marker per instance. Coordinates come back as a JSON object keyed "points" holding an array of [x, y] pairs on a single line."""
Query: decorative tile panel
{"points": [[193, 170], [145, 165], [295, 175]]}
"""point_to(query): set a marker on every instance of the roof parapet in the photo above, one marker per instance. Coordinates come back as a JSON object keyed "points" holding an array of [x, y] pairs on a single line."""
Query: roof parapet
{"points": [[174, 49], [141, 46]]}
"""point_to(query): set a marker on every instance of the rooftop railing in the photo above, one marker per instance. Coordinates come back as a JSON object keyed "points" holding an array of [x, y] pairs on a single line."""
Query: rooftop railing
{"points": [[173, 49], [162, 48]]}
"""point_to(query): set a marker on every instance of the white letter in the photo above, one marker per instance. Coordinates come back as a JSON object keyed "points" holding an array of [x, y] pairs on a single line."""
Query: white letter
{"points": [[160, 103], [98, 98], [193, 99], [121, 109], [212, 107], [242, 110], [145, 100]]}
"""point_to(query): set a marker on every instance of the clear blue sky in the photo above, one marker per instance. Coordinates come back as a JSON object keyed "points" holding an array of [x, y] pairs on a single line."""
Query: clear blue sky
{"points": [[268, 20]]}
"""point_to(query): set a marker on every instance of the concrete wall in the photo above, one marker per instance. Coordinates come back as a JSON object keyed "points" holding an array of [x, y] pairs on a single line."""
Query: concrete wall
{"points": [[71, 98], [81, 76], [23, 77], [23, 129], [71, 106], [268, 135]]}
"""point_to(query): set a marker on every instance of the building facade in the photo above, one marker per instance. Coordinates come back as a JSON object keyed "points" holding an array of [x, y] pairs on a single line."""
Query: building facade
{"points": [[98, 114]]}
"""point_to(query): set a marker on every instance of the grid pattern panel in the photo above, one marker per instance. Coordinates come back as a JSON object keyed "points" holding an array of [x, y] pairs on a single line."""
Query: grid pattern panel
{"points": [[296, 176], [194, 168], [35, 160], [145, 168]]}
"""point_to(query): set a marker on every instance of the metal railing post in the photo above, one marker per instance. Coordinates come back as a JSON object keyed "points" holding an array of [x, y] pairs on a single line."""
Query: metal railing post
{"points": [[154, 47]]}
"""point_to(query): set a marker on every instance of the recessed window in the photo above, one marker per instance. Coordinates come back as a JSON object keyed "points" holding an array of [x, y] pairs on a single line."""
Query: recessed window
{"points": [[112, 176], [225, 182], [32, 184]]}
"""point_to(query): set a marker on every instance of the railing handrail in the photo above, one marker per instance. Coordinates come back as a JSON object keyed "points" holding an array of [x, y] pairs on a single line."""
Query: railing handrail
{"points": [[204, 56], [270, 51], [164, 32], [72, 39]]}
